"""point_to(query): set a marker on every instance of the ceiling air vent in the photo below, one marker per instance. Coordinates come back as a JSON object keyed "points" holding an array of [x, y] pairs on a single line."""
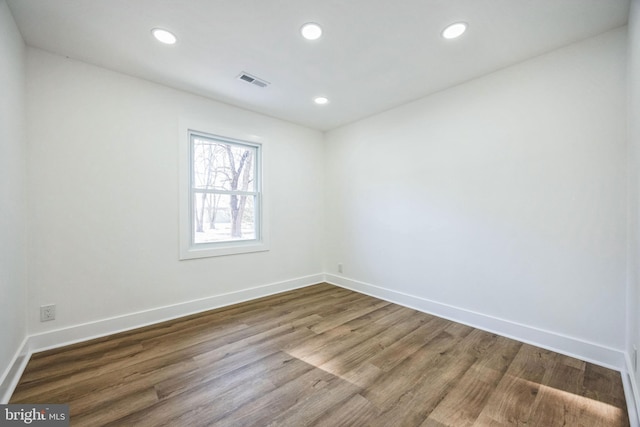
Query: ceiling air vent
{"points": [[253, 80]]}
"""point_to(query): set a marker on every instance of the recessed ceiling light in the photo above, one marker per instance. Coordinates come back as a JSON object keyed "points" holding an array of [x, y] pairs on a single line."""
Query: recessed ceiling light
{"points": [[164, 36], [321, 100], [454, 30], [311, 31]]}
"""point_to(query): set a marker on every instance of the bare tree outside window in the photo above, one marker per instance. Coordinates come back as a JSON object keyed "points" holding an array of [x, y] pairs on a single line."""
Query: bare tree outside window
{"points": [[224, 190]]}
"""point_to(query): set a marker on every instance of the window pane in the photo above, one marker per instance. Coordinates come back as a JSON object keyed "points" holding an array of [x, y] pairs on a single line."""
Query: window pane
{"points": [[223, 218], [223, 166]]}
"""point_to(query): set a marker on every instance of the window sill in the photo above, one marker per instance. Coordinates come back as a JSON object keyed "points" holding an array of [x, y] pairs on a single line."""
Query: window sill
{"points": [[215, 250]]}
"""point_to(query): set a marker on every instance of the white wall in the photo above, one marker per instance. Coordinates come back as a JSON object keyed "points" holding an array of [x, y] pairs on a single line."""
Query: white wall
{"points": [[633, 299], [504, 196], [13, 275], [103, 186]]}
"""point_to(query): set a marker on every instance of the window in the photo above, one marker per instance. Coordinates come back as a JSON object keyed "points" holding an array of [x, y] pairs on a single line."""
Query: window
{"points": [[224, 198]]}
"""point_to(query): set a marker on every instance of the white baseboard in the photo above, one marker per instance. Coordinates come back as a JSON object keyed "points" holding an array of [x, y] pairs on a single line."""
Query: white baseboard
{"points": [[591, 352], [570, 346], [632, 393], [103, 327], [12, 375], [86, 331], [580, 349]]}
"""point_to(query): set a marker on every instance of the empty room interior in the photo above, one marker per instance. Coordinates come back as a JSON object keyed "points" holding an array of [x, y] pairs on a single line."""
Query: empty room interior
{"points": [[415, 213]]}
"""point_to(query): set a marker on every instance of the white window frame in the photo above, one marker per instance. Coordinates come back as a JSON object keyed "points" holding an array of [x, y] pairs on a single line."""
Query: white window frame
{"points": [[191, 250]]}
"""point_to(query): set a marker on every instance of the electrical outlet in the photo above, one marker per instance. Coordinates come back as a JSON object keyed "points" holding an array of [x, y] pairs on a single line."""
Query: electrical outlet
{"points": [[47, 312], [339, 268]]}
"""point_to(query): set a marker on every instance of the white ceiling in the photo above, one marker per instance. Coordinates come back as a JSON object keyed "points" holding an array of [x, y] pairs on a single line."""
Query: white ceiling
{"points": [[374, 55]]}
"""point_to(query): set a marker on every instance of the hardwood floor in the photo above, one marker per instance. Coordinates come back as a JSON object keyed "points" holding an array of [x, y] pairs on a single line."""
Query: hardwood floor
{"points": [[321, 356]]}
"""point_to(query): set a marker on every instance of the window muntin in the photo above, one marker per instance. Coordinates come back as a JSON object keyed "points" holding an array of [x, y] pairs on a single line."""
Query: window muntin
{"points": [[225, 191]]}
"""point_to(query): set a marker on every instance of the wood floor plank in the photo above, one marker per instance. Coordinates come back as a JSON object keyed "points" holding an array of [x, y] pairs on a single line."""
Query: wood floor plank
{"points": [[600, 385], [565, 383], [475, 387], [211, 398], [356, 337], [314, 405], [515, 395], [438, 377], [65, 374], [357, 309], [319, 356], [413, 341], [116, 408], [88, 395], [356, 411], [364, 375], [266, 407], [362, 350], [401, 381]]}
